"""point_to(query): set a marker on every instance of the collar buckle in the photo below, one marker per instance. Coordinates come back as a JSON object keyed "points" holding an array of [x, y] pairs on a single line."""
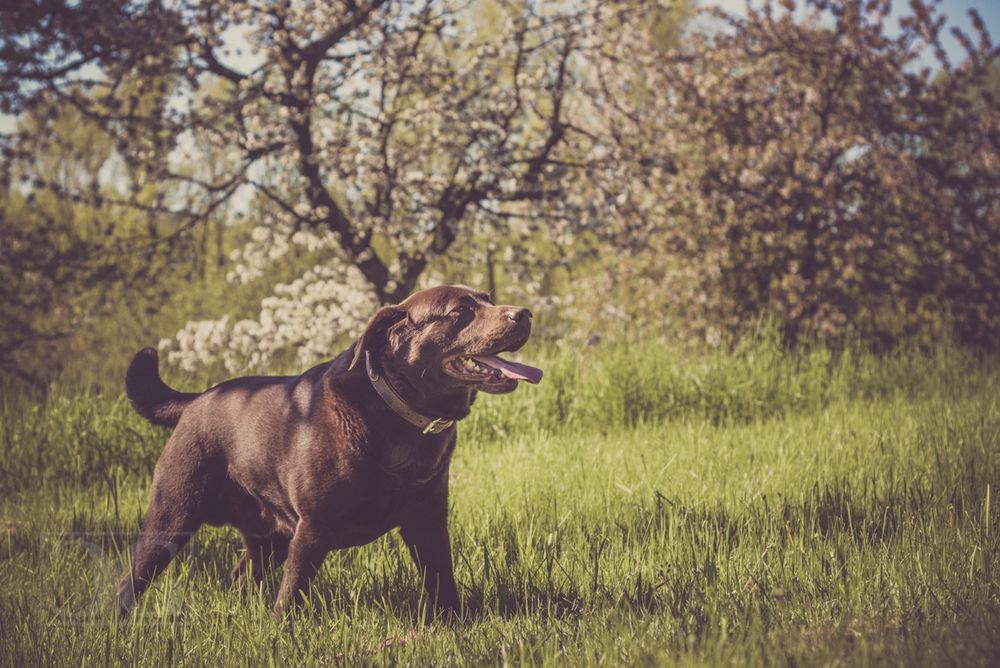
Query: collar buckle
{"points": [[437, 425]]}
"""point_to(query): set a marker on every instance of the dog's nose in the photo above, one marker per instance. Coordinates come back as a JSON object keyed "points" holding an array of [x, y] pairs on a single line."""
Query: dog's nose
{"points": [[519, 315]]}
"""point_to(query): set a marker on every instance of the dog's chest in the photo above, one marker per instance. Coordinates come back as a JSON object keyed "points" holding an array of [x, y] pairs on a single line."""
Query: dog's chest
{"points": [[409, 464], [367, 519]]}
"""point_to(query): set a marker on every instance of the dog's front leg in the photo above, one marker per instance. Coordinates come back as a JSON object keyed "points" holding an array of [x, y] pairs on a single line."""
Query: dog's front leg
{"points": [[430, 546], [305, 554]]}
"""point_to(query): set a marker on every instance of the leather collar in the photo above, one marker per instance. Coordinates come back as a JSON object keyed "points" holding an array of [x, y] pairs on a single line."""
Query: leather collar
{"points": [[427, 425]]}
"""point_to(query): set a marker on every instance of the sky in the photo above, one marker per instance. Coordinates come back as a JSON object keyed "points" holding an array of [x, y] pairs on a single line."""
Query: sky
{"points": [[957, 12]]}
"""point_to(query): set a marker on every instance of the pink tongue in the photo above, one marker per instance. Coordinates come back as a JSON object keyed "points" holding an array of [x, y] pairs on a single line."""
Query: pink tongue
{"points": [[512, 369]]}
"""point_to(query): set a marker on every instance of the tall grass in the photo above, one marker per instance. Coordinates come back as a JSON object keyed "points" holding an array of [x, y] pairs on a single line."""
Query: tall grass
{"points": [[645, 504], [78, 438]]}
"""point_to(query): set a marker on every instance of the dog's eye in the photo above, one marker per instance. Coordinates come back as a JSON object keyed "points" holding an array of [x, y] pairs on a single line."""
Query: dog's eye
{"points": [[461, 309]]}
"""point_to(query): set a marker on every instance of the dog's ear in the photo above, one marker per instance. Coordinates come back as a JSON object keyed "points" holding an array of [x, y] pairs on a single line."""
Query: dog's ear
{"points": [[384, 318]]}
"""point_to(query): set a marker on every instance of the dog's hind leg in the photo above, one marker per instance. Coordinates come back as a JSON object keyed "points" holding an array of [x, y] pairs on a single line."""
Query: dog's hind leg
{"points": [[306, 552], [175, 513], [260, 555]]}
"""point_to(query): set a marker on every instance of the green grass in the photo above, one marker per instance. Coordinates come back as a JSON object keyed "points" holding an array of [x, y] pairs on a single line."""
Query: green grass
{"points": [[644, 505]]}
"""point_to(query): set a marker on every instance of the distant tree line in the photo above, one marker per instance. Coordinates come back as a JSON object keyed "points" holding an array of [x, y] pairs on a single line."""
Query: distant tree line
{"points": [[808, 163]]}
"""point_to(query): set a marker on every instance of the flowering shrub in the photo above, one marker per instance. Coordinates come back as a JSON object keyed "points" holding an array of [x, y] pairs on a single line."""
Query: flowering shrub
{"points": [[811, 165]]}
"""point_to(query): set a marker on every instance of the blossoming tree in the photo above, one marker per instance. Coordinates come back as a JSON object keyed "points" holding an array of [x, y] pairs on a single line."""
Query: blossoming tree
{"points": [[381, 130]]}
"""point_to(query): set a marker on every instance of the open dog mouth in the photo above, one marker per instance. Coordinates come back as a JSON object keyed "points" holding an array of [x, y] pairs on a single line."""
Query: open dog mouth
{"points": [[491, 371]]}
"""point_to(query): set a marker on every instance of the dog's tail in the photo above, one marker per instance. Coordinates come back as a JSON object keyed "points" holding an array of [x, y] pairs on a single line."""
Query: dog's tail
{"points": [[149, 395]]}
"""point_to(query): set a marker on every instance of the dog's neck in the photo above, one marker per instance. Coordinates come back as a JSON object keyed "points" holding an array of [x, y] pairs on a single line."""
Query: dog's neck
{"points": [[405, 398]]}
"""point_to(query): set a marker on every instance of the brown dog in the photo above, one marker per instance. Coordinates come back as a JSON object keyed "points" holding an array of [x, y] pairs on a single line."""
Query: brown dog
{"points": [[335, 457]]}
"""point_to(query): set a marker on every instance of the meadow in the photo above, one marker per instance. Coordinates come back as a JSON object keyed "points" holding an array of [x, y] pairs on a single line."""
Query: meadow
{"points": [[645, 505]]}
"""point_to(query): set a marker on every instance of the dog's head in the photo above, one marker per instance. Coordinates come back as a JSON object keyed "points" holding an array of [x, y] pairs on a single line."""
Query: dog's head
{"points": [[444, 343]]}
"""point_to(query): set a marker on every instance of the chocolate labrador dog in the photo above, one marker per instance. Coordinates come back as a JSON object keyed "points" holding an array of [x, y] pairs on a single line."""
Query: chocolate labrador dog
{"points": [[334, 458]]}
